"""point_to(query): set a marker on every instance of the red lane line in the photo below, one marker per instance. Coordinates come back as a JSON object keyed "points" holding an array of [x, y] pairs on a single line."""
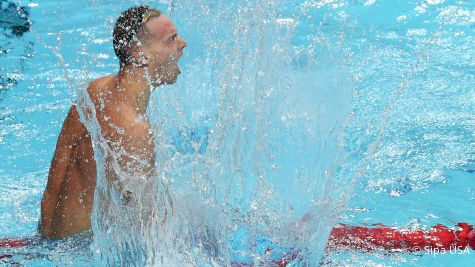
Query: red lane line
{"points": [[11, 243]]}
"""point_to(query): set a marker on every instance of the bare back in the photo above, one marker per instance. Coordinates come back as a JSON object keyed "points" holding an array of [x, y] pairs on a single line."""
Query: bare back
{"points": [[68, 198]]}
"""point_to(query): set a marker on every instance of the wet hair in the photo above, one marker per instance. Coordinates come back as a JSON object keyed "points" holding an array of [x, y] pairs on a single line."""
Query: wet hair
{"points": [[127, 26]]}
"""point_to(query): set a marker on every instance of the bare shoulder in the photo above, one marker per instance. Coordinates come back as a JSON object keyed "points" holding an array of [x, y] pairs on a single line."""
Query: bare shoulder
{"points": [[100, 86], [72, 126], [118, 119], [102, 82]]}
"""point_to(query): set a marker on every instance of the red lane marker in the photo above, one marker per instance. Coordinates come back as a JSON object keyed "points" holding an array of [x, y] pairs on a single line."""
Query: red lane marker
{"points": [[362, 239], [5, 256], [388, 239], [11, 243]]}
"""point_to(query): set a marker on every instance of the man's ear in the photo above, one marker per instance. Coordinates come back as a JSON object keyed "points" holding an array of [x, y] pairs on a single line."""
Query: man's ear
{"points": [[137, 55]]}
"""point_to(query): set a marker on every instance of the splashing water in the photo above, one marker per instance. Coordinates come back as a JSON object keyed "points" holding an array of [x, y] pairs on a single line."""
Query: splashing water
{"points": [[263, 165]]}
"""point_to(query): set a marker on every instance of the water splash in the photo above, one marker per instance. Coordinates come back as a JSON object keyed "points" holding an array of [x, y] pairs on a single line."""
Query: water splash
{"points": [[268, 170]]}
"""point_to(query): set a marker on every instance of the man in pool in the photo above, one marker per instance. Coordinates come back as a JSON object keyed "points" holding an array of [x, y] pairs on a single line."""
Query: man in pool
{"points": [[148, 47]]}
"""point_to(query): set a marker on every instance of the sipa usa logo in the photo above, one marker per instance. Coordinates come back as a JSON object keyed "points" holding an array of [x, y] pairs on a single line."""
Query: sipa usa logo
{"points": [[454, 250]]}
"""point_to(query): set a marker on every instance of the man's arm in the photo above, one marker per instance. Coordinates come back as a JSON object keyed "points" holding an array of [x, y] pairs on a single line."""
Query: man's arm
{"points": [[60, 164]]}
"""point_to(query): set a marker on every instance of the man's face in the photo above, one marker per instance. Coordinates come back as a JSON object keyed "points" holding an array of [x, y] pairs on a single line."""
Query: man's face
{"points": [[162, 47]]}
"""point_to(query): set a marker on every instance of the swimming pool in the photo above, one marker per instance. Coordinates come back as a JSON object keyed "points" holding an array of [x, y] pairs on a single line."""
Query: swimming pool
{"points": [[368, 105]]}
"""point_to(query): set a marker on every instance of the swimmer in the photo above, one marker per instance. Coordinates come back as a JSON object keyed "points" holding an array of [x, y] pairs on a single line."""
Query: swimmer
{"points": [[148, 47]]}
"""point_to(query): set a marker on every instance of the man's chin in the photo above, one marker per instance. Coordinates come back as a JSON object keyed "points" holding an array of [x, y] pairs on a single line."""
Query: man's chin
{"points": [[170, 80]]}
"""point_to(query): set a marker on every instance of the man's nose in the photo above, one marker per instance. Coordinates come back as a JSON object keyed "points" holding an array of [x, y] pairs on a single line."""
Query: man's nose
{"points": [[183, 43]]}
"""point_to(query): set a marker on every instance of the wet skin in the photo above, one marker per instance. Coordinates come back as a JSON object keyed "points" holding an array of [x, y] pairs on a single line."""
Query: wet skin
{"points": [[120, 102]]}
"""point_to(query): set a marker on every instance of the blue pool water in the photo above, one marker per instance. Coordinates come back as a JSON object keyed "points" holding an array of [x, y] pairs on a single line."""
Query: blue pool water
{"points": [[356, 111]]}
